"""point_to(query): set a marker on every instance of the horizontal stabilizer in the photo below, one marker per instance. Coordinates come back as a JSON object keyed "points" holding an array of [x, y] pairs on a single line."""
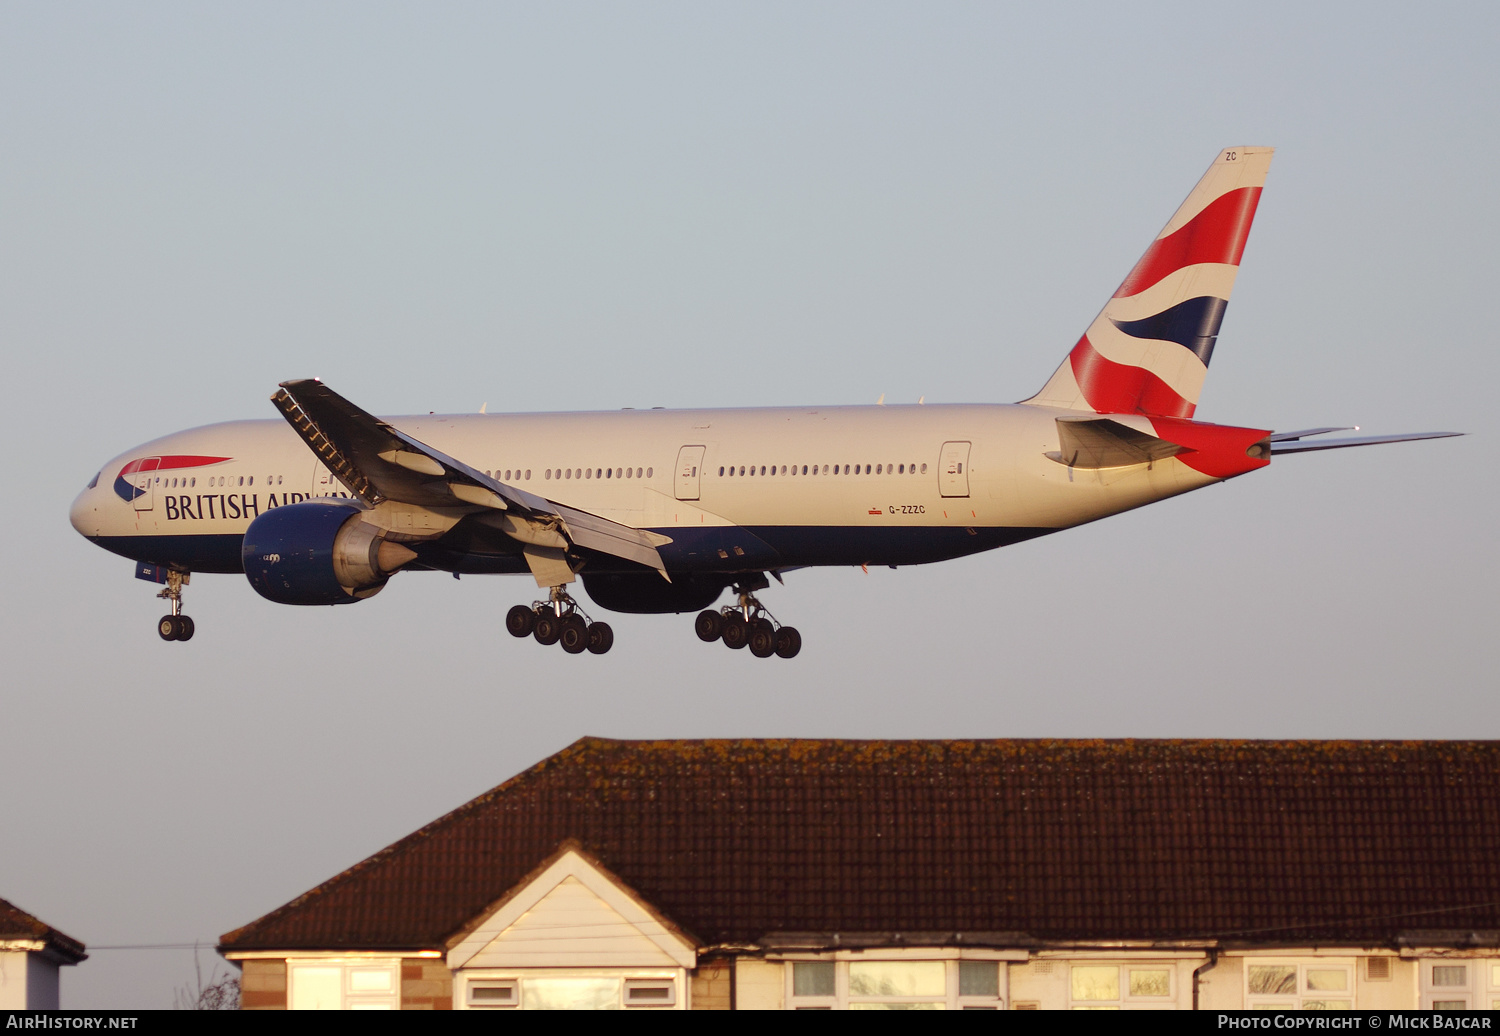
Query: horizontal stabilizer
{"points": [[1280, 446], [1100, 442], [1306, 433]]}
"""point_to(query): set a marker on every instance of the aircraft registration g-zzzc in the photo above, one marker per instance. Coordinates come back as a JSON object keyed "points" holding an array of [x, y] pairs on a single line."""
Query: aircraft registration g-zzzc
{"points": [[663, 510]]}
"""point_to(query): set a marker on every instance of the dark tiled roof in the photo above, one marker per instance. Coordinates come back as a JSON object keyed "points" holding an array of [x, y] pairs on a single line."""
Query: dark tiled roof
{"points": [[734, 840], [16, 923]]}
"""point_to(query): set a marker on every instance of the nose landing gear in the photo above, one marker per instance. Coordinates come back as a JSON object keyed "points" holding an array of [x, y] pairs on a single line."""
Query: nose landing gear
{"points": [[748, 624], [559, 620], [176, 626]]}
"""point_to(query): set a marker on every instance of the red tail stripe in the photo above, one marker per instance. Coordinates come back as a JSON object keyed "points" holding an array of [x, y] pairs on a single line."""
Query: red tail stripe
{"points": [[1216, 450], [1215, 235], [1118, 388]]}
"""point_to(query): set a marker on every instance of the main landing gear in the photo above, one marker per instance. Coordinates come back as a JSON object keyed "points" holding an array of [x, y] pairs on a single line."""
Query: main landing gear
{"points": [[559, 620], [176, 626], [748, 624]]}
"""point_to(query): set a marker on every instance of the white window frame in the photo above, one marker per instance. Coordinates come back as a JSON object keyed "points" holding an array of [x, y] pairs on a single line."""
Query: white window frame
{"points": [[1269, 1001], [465, 979], [841, 1000], [1126, 1002], [350, 999], [1480, 991]]}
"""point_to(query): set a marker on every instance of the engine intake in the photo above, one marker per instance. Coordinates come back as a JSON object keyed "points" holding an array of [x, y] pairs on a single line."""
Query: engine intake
{"points": [[318, 552]]}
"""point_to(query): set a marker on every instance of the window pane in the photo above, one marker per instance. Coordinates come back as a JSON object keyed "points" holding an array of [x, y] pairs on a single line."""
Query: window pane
{"points": [[504, 993], [897, 978], [569, 994], [812, 978], [368, 980], [317, 988], [1327, 978], [1273, 979], [1450, 1005], [1155, 982], [1096, 983], [1327, 1005], [930, 1005], [1450, 975], [978, 978]]}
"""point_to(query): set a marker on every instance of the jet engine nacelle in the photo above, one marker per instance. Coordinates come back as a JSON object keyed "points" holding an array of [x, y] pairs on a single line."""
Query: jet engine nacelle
{"points": [[318, 552], [649, 593]]}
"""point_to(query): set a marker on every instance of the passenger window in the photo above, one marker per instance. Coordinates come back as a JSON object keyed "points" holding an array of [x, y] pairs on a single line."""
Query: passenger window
{"points": [[588, 473], [648, 472], [924, 469], [804, 469], [528, 474], [549, 473]]}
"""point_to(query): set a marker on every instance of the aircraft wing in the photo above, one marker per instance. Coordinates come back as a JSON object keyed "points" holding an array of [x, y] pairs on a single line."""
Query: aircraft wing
{"points": [[377, 462]]}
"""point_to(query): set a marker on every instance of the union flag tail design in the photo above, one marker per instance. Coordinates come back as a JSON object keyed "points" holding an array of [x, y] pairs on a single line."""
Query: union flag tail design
{"points": [[1148, 350]]}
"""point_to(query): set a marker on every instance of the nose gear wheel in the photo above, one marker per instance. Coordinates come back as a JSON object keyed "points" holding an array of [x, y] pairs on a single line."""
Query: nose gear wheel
{"points": [[175, 626]]}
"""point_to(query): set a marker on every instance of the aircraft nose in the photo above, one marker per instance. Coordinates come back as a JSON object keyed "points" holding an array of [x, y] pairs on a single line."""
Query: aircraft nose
{"points": [[84, 514]]}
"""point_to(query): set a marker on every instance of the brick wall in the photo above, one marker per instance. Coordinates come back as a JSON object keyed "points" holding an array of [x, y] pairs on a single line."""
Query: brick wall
{"points": [[426, 985], [710, 986], [263, 985]]}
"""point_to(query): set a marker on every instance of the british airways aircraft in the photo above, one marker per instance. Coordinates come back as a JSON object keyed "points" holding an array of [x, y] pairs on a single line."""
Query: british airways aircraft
{"points": [[663, 510]]}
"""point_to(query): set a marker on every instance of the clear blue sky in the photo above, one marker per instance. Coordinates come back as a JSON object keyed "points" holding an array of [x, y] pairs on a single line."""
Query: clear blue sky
{"points": [[571, 206]]}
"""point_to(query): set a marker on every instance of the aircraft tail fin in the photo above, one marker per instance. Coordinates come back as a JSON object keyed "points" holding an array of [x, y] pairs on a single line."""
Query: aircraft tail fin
{"points": [[1148, 350]]}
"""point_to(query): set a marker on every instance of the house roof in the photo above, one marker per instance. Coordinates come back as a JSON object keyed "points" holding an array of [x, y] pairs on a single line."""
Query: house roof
{"points": [[741, 841], [16, 925]]}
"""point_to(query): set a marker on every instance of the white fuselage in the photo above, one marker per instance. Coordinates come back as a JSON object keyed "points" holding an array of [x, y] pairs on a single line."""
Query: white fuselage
{"points": [[814, 485]]}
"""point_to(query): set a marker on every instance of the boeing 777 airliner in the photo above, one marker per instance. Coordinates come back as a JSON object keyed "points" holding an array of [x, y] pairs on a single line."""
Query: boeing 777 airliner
{"points": [[663, 510]]}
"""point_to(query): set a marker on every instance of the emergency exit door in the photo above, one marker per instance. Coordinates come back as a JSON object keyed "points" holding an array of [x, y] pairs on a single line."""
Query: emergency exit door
{"points": [[689, 469], [953, 469]]}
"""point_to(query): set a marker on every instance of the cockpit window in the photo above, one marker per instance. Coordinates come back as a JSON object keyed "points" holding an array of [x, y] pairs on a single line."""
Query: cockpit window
{"points": [[95, 480]]}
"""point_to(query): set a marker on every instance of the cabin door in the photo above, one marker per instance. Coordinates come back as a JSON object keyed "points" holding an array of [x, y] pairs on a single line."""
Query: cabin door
{"points": [[689, 472], [953, 469], [143, 482]]}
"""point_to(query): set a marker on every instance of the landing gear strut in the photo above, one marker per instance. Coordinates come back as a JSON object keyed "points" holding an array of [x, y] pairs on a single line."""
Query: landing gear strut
{"points": [[747, 623], [176, 626], [559, 620]]}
